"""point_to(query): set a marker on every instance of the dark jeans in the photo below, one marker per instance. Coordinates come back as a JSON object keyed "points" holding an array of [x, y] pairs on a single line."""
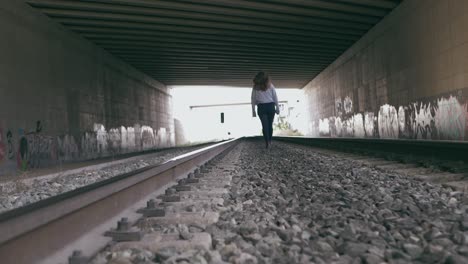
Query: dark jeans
{"points": [[266, 113]]}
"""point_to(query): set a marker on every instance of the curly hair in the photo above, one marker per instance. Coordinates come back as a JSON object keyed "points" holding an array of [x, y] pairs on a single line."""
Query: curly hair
{"points": [[261, 81]]}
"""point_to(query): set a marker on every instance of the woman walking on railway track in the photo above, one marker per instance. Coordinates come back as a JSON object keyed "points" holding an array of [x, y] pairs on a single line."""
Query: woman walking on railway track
{"points": [[264, 96]]}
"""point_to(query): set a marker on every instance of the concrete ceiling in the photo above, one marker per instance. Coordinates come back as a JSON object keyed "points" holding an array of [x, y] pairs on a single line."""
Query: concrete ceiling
{"points": [[221, 42]]}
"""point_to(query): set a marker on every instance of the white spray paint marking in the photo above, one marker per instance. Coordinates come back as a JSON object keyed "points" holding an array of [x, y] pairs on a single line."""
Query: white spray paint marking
{"points": [[358, 126], [401, 119], [348, 128], [388, 122], [162, 137], [348, 105], [324, 127], [338, 107], [123, 138], [147, 137], [369, 123], [101, 136], [450, 118], [131, 143], [88, 145], [312, 131], [115, 139], [67, 147], [338, 126], [421, 121]]}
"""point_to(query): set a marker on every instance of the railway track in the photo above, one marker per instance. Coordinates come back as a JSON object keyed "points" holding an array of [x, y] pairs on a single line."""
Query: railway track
{"points": [[444, 162], [51, 230], [47, 231]]}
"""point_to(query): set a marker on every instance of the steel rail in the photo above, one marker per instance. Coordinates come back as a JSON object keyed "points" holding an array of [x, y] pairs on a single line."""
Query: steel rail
{"points": [[31, 233], [436, 151]]}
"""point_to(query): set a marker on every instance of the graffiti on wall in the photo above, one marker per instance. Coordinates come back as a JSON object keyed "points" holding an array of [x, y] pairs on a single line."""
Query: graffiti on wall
{"points": [[147, 137], [422, 120], [2, 146], [35, 149], [324, 127], [102, 142], [337, 130], [358, 126], [343, 107], [163, 137], [348, 105], [388, 122], [369, 121], [401, 120], [67, 148], [23, 151], [443, 118], [339, 107], [89, 145], [10, 151], [450, 118], [101, 137]]}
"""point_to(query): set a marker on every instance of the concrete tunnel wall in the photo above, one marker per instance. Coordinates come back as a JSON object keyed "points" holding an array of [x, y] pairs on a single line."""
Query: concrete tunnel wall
{"points": [[65, 99], [407, 78]]}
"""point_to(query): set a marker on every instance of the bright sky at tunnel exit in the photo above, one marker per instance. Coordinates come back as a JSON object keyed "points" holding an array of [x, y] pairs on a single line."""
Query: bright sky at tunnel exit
{"points": [[199, 108]]}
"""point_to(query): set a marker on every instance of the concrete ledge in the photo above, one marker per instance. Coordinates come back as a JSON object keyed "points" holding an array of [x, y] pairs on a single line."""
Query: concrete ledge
{"points": [[214, 184], [413, 171], [155, 242], [442, 177], [185, 218], [198, 195], [399, 166], [219, 201], [205, 191]]}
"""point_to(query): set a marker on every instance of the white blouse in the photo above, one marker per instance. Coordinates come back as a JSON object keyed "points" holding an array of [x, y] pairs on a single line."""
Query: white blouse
{"points": [[263, 97]]}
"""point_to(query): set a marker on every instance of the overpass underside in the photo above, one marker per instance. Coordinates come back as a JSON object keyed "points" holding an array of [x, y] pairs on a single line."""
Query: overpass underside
{"points": [[89, 79]]}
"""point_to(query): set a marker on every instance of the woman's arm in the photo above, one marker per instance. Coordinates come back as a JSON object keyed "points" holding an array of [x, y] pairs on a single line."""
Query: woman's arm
{"points": [[253, 102]]}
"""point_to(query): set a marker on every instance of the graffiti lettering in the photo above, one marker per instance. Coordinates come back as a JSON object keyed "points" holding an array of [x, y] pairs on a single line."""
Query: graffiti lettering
{"points": [[23, 151], [34, 150], [11, 151], [358, 126], [369, 121], [337, 131], [388, 122], [348, 105], [450, 118], [2, 146], [401, 119], [339, 107], [147, 137], [324, 127], [422, 121]]}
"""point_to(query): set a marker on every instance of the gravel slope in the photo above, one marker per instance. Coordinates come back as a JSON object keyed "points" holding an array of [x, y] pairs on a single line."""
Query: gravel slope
{"points": [[291, 205]]}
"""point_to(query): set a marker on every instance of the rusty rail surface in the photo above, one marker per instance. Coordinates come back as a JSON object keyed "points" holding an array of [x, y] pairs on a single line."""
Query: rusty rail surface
{"points": [[35, 231]]}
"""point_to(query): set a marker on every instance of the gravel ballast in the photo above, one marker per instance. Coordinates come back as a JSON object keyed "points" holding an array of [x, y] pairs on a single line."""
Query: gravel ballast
{"points": [[20, 192], [292, 205], [296, 206]]}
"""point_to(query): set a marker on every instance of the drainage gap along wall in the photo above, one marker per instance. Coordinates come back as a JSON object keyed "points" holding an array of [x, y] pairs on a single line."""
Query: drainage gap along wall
{"points": [[64, 99], [406, 78]]}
